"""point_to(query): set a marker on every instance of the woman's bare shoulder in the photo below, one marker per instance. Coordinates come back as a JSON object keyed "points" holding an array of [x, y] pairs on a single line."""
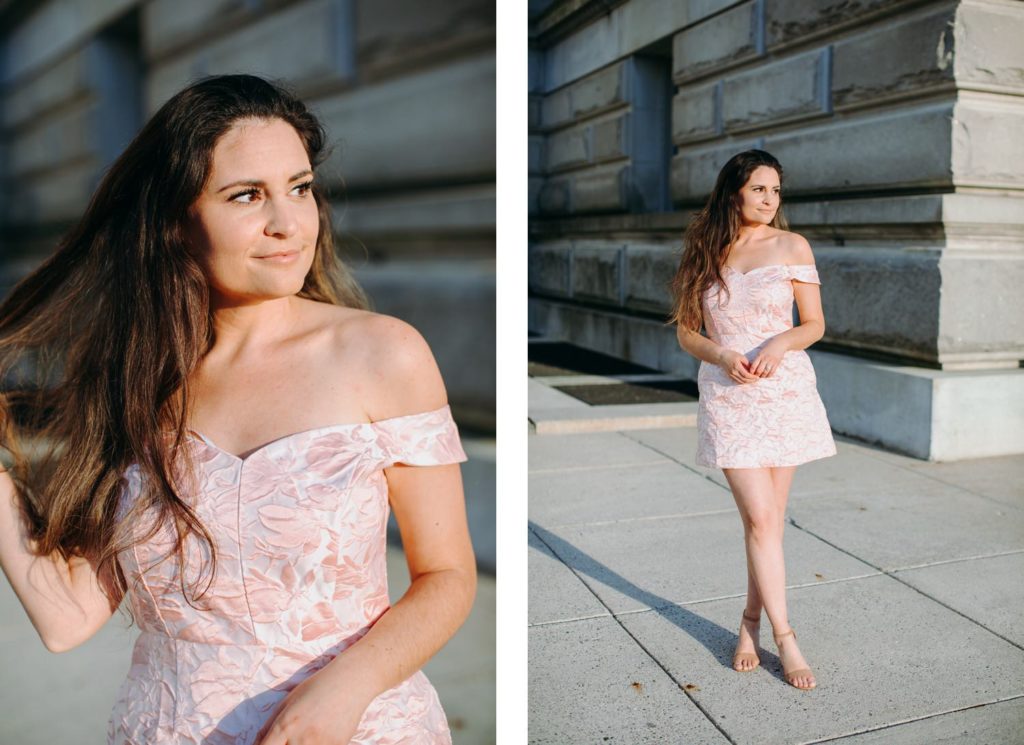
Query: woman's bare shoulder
{"points": [[370, 334], [396, 364], [797, 248]]}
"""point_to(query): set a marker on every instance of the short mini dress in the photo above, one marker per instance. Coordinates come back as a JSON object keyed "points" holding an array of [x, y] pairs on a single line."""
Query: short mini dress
{"points": [[778, 420], [300, 527]]}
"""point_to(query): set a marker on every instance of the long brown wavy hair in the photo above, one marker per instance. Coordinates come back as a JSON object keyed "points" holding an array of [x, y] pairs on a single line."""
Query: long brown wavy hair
{"points": [[98, 344], [710, 235]]}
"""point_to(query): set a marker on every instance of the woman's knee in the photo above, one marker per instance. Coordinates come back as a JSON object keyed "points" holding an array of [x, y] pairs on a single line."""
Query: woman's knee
{"points": [[763, 523]]}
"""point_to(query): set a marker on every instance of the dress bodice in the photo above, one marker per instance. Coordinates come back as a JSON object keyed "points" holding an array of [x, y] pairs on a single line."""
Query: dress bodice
{"points": [[300, 530], [757, 306]]}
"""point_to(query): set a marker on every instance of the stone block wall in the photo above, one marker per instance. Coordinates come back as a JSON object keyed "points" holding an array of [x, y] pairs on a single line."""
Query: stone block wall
{"points": [[406, 90], [896, 122], [602, 141]]}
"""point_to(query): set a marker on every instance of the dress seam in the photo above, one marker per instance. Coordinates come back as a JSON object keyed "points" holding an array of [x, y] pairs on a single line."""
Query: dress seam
{"points": [[241, 565], [149, 591], [167, 633]]}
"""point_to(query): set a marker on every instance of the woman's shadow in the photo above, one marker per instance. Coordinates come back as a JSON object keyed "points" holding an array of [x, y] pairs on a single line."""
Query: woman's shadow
{"points": [[720, 642]]}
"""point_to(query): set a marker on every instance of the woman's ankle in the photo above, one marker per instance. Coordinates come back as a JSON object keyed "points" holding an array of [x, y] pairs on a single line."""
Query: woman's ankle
{"points": [[781, 629]]}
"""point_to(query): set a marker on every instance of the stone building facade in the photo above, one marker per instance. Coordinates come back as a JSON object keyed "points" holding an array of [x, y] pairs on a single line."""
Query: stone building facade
{"points": [[406, 91], [899, 125], [405, 88]]}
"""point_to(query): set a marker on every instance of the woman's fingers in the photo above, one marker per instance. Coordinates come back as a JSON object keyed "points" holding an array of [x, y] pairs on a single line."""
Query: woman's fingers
{"points": [[764, 367], [742, 375]]}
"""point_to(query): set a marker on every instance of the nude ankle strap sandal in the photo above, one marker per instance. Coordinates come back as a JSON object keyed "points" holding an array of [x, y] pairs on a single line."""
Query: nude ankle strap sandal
{"points": [[746, 656], [792, 675]]}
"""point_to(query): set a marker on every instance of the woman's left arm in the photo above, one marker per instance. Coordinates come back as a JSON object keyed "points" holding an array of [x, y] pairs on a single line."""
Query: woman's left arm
{"points": [[431, 515], [812, 320], [429, 507]]}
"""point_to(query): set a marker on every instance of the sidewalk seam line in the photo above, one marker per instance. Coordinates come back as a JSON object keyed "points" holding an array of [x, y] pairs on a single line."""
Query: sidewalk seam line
{"points": [[912, 720], [926, 565], [559, 621], [913, 470], [903, 582], [687, 466], [634, 611], [641, 518], [685, 603], [570, 469], [636, 641]]}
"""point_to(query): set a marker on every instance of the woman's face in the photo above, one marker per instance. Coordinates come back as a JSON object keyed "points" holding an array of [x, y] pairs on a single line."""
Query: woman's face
{"points": [[759, 198], [256, 222]]}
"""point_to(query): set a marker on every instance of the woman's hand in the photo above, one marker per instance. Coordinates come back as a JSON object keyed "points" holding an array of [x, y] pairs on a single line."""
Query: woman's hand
{"points": [[736, 366], [768, 359], [318, 711]]}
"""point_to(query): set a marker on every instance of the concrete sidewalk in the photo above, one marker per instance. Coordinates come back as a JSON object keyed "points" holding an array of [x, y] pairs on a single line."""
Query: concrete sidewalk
{"points": [[904, 585]]}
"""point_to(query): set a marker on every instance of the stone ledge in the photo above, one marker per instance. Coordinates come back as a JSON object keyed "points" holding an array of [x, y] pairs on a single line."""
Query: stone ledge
{"points": [[935, 415], [615, 418]]}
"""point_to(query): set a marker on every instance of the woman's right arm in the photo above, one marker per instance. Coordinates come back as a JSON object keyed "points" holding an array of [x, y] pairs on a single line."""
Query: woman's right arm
{"points": [[64, 599], [699, 346], [732, 362]]}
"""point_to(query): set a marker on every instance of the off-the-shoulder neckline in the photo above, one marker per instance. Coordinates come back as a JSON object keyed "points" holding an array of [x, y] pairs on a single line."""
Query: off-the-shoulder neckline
{"points": [[196, 435], [766, 266]]}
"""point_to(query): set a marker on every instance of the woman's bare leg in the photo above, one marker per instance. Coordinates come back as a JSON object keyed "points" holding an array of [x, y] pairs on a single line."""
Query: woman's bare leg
{"points": [[749, 630], [761, 495]]}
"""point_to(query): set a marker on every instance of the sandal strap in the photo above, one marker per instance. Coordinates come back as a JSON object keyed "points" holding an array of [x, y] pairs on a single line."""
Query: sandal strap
{"points": [[756, 619], [784, 634]]}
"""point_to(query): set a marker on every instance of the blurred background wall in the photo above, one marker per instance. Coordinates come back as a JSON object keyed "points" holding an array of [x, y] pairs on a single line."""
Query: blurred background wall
{"points": [[898, 124], [406, 89]]}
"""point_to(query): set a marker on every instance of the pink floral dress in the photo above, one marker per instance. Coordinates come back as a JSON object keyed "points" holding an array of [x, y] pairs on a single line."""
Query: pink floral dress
{"points": [[300, 527], [776, 421]]}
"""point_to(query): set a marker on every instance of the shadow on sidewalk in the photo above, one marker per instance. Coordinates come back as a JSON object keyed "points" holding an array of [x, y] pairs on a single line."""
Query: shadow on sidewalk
{"points": [[719, 641]]}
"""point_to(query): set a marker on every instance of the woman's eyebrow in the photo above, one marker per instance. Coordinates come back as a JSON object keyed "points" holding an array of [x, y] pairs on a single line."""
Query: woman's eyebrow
{"points": [[251, 182]]}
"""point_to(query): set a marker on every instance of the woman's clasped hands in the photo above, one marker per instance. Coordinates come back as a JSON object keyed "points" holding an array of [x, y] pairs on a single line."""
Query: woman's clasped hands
{"points": [[763, 365]]}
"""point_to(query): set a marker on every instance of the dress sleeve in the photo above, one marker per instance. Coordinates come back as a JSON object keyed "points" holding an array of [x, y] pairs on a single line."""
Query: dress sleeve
{"points": [[804, 273], [427, 439]]}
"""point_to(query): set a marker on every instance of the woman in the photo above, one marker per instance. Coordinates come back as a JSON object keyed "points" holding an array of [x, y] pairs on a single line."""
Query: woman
{"points": [[759, 415], [228, 425]]}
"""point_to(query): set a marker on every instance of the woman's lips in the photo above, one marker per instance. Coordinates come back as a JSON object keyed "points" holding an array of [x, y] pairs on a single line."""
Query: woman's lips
{"points": [[280, 257]]}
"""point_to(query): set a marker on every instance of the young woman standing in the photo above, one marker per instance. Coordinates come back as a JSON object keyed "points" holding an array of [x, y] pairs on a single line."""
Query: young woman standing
{"points": [[760, 415], [228, 428]]}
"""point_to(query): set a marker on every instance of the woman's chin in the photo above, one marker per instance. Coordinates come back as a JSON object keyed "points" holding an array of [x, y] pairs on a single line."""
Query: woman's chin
{"points": [[253, 295], [758, 219]]}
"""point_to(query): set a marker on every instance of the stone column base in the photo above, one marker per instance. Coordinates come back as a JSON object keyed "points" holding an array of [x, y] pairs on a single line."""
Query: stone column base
{"points": [[936, 415]]}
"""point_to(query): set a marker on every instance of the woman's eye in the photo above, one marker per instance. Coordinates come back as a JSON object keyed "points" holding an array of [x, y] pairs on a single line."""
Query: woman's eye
{"points": [[252, 193], [304, 188]]}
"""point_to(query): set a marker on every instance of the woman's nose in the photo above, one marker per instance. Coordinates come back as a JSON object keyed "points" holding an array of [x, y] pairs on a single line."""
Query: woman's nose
{"points": [[281, 219]]}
